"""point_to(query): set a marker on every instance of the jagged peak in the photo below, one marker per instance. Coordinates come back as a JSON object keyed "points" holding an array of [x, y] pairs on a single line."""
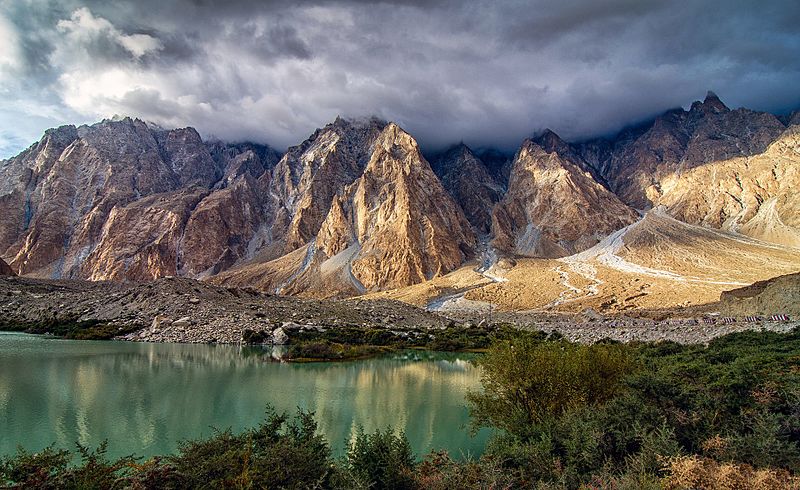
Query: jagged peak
{"points": [[711, 104], [67, 132], [794, 118], [550, 141], [457, 149], [357, 122], [393, 134]]}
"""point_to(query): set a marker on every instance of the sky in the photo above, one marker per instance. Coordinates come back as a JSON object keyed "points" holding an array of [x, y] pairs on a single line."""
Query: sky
{"points": [[488, 73]]}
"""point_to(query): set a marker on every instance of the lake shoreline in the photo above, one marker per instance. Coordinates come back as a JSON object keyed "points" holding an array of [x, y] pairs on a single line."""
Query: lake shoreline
{"points": [[177, 310]]}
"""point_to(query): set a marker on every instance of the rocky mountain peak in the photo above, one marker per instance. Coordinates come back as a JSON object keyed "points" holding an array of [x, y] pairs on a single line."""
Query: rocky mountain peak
{"points": [[710, 105], [794, 119], [550, 142], [553, 207], [397, 220], [468, 180]]}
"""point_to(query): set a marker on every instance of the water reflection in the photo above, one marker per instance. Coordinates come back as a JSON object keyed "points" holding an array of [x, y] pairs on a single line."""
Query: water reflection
{"points": [[144, 398]]}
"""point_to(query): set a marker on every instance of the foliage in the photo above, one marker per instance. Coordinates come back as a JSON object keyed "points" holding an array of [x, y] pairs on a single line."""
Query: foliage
{"points": [[322, 350], [528, 383], [69, 327], [697, 472], [381, 460], [51, 468], [279, 453], [607, 416]]}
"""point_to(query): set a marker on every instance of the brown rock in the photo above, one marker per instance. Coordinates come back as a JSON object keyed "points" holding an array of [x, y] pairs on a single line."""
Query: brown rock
{"points": [[754, 195], [5, 270], [468, 181], [638, 160], [553, 208], [310, 175]]}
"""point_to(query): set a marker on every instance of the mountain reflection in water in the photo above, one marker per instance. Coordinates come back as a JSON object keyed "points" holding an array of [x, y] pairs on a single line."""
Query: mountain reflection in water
{"points": [[145, 398]]}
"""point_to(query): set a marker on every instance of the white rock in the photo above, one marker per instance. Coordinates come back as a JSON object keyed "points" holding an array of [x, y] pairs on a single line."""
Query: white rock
{"points": [[279, 337], [182, 322]]}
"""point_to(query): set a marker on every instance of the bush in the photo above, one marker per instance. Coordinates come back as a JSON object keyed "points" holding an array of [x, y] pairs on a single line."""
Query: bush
{"points": [[51, 468], [527, 383], [322, 350], [381, 460], [697, 472], [280, 453]]}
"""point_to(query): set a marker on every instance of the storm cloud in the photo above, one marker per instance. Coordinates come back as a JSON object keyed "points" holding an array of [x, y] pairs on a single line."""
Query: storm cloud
{"points": [[486, 72]]}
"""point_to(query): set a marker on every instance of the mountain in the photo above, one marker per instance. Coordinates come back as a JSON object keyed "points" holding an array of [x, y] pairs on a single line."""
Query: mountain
{"points": [[754, 195], [656, 263], [554, 207], [636, 162], [356, 208], [112, 201], [393, 226], [469, 181], [308, 177]]}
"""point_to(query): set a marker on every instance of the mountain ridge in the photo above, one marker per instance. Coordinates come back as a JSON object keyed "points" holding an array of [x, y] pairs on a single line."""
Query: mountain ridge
{"points": [[357, 208]]}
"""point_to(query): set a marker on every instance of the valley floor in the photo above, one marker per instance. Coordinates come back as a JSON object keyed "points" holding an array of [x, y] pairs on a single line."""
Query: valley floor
{"points": [[183, 310], [657, 268]]}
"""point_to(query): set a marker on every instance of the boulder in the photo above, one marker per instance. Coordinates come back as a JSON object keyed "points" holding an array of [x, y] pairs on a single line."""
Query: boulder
{"points": [[279, 337], [182, 322]]}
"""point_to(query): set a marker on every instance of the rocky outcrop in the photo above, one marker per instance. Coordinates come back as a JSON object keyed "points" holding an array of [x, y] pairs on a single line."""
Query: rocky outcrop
{"points": [[638, 161], [754, 195], [5, 270], [468, 181], [308, 177], [399, 217], [553, 206], [141, 240], [779, 295], [394, 225]]}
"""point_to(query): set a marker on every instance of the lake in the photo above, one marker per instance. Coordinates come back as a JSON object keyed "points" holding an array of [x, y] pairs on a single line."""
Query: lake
{"points": [[145, 398]]}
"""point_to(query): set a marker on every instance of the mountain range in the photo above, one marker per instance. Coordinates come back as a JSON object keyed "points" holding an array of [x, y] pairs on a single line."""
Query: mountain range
{"points": [[358, 209]]}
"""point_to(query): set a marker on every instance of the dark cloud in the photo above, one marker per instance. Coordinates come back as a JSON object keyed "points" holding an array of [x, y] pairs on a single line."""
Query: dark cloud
{"points": [[486, 72]]}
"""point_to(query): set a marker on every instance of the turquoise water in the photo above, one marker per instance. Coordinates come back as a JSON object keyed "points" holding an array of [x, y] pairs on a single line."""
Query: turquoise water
{"points": [[145, 398]]}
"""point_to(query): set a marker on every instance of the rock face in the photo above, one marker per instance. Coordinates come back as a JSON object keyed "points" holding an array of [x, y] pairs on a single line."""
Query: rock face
{"points": [[112, 200], [405, 227], [309, 176], [637, 161], [468, 180], [711, 166], [394, 225], [5, 270], [779, 295], [553, 206], [357, 208], [754, 195]]}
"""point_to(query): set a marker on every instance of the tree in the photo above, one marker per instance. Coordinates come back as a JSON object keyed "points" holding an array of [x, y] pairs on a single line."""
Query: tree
{"points": [[527, 382]]}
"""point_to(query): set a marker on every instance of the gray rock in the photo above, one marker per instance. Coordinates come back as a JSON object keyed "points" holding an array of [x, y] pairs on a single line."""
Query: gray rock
{"points": [[279, 337]]}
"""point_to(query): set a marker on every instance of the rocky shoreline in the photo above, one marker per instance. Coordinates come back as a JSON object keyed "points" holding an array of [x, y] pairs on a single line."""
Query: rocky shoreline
{"points": [[187, 311]]}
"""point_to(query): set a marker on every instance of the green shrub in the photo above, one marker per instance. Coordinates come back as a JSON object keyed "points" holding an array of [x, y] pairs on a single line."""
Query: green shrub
{"points": [[527, 382], [381, 460], [50, 468], [323, 350], [279, 453]]}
